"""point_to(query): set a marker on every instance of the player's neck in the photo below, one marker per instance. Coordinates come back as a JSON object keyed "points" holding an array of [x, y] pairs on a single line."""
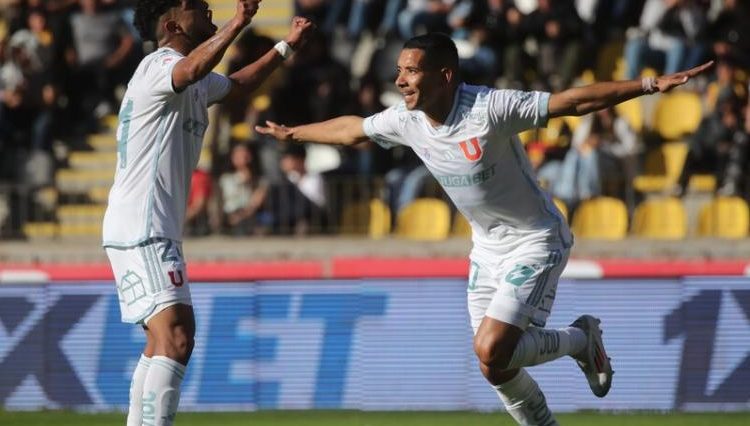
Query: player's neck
{"points": [[437, 114], [179, 45]]}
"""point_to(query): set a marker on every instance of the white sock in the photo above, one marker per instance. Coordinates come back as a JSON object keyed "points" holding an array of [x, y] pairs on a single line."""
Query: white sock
{"points": [[136, 391], [524, 401], [539, 345], [161, 391]]}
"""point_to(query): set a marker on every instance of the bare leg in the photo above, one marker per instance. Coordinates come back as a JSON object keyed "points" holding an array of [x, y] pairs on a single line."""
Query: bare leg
{"points": [[170, 337]]}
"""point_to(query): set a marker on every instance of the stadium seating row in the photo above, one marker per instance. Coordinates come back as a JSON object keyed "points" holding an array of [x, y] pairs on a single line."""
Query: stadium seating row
{"points": [[602, 218]]}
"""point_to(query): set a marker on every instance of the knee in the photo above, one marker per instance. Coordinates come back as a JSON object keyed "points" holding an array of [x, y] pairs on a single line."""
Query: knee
{"points": [[492, 350]]}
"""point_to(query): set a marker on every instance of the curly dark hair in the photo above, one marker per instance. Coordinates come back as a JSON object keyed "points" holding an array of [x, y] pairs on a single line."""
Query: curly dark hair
{"points": [[147, 14]]}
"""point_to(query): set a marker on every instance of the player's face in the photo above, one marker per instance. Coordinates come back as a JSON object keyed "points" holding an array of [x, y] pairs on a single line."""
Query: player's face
{"points": [[419, 85], [196, 20]]}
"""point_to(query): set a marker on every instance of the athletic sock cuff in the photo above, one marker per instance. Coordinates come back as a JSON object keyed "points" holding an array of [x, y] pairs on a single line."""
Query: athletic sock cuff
{"points": [[169, 364]]}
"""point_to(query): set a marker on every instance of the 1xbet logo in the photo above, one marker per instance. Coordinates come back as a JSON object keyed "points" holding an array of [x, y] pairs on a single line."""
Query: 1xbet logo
{"points": [[36, 349]]}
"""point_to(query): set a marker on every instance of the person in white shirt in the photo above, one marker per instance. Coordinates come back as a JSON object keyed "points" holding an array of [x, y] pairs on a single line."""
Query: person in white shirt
{"points": [[303, 192], [465, 135], [163, 118]]}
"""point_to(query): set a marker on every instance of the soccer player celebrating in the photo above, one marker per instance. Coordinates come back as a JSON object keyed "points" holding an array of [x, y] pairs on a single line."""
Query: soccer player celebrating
{"points": [[162, 121], [465, 135]]}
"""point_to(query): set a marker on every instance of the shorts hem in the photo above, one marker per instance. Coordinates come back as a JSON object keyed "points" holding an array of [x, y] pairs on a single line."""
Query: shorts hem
{"points": [[510, 311]]}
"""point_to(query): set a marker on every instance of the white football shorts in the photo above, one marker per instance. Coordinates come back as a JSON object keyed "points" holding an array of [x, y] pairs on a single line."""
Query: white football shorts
{"points": [[149, 278], [519, 290]]}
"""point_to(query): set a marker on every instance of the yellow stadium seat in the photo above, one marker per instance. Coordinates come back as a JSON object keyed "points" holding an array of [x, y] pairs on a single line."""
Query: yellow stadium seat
{"points": [[371, 218], [426, 219], [461, 227], [602, 218], [632, 112], [662, 167], [242, 132], [702, 183], [35, 230], [677, 114], [561, 206], [662, 219], [724, 217], [551, 135]]}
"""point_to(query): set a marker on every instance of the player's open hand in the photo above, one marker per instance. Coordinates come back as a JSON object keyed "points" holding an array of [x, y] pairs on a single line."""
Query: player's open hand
{"points": [[246, 9], [299, 32], [279, 132], [666, 83]]}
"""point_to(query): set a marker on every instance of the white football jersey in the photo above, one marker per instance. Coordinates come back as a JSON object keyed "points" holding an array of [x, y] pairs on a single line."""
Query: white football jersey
{"points": [[159, 140], [479, 161]]}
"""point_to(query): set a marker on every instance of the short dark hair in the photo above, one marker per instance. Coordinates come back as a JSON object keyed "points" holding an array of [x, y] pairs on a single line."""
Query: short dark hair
{"points": [[439, 50], [147, 14], [295, 150]]}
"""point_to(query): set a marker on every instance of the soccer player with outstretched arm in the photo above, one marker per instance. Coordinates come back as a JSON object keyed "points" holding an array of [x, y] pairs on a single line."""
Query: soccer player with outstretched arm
{"points": [[466, 136], [162, 121]]}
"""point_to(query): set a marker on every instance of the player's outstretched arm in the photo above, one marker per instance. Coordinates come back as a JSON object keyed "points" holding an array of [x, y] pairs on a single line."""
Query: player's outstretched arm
{"points": [[208, 54], [345, 130], [583, 100], [250, 77]]}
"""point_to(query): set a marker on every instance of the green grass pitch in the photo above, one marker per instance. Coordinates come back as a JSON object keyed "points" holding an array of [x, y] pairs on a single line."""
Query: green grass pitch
{"points": [[358, 418]]}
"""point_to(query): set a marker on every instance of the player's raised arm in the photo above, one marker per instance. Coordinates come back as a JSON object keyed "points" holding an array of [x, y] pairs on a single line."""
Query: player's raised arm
{"points": [[345, 130], [248, 78], [583, 100], [208, 54]]}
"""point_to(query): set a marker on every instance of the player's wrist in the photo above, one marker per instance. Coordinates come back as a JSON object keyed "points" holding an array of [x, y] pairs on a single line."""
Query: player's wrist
{"points": [[648, 84], [239, 22], [284, 48]]}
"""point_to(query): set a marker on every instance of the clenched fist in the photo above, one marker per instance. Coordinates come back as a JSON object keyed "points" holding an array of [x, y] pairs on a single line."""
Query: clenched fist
{"points": [[299, 32], [246, 9]]}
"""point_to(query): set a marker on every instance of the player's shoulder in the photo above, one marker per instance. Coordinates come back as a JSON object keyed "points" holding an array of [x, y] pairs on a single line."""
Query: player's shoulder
{"points": [[160, 58], [398, 111], [474, 95]]}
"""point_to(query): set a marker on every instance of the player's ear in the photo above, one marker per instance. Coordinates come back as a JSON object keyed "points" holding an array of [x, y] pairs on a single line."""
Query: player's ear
{"points": [[171, 27], [448, 75]]}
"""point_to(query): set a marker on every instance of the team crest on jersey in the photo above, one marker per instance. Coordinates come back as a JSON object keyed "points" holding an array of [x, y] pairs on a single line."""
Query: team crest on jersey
{"points": [[426, 153], [471, 149]]}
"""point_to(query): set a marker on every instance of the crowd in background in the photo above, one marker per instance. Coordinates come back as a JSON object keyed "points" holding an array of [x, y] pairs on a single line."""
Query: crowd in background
{"points": [[63, 64]]}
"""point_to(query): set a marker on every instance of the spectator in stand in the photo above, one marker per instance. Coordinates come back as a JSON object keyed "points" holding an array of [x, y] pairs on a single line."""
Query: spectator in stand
{"points": [[12, 12], [558, 31], [298, 202], [363, 10], [421, 16], [499, 31], [726, 84], [327, 13], [600, 161], [719, 147], [316, 86], [197, 214], [365, 160], [248, 48], [103, 46], [729, 33], [243, 194], [27, 99], [669, 34]]}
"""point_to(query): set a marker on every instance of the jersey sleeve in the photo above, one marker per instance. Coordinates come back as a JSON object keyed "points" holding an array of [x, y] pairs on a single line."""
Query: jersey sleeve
{"points": [[383, 127], [217, 87], [516, 111]]}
